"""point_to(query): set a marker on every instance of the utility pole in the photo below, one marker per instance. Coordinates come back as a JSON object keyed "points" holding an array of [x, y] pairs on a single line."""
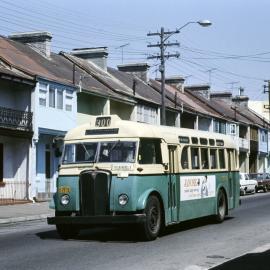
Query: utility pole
{"points": [[267, 107], [164, 36]]}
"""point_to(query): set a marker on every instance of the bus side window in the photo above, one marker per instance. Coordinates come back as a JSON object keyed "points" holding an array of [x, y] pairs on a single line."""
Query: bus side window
{"points": [[149, 151], [221, 159], [231, 152], [213, 158], [184, 158], [204, 158], [195, 158]]}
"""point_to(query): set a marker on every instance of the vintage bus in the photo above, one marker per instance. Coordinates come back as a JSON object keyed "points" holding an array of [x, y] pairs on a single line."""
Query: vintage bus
{"points": [[123, 172]]}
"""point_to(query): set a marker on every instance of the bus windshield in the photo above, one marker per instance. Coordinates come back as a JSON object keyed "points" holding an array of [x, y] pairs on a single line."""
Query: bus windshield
{"points": [[112, 151]]}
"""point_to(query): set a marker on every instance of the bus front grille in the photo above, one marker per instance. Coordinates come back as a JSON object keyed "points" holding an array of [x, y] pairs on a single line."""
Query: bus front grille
{"points": [[94, 193]]}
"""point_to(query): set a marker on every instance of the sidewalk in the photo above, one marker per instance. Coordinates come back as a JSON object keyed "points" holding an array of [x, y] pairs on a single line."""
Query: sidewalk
{"points": [[24, 212]]}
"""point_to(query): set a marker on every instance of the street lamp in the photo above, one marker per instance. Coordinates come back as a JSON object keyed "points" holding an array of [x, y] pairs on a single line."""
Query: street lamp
{"points": [[163, 37]]}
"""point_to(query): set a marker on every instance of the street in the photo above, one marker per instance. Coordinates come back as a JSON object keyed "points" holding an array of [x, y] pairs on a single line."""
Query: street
{"points": [[191, 245]]}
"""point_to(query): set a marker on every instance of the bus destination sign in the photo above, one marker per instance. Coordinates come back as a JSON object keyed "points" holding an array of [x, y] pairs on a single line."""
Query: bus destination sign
{"points": [[103, 122]]}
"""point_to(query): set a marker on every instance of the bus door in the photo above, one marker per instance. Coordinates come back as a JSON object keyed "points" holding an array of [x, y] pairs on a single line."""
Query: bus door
{"points": [[230, 173], [172, 188]]}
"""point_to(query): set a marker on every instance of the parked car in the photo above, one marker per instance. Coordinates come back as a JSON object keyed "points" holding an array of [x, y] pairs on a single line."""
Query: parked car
{"points": [[263, 180], [247, 185]]}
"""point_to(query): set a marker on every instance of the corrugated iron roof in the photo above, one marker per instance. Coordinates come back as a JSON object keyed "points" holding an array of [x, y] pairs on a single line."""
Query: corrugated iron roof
{"points": [[141, 89]]}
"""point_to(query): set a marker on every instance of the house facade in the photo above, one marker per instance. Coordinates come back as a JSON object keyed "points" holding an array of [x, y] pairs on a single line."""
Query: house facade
{"points": [[51, 102], [16, 132]]}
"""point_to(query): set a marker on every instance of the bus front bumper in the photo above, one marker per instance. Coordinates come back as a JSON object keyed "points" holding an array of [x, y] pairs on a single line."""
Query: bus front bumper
{"points": [[97, 220]]}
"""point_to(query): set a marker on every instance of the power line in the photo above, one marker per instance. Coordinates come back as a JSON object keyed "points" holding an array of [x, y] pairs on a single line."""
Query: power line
{"points": [[72, 24]]}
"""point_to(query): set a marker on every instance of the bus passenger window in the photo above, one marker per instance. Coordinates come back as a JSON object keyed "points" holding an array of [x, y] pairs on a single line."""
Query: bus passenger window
{"points": [[195, 158], [221, 159], [204, 158], [184, 158], [149, 151], [213, 158]]}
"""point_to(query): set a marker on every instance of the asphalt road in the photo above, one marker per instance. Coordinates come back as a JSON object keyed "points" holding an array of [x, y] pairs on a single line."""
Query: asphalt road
{"points": [[192, 245]]}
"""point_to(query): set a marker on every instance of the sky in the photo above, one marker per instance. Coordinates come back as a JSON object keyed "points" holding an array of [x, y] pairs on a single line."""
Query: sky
{"points": [[233, 52]]}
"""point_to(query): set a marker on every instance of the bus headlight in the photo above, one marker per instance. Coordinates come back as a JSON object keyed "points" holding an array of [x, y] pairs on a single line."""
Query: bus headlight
{"points": [[123, 199], [65, 199]]}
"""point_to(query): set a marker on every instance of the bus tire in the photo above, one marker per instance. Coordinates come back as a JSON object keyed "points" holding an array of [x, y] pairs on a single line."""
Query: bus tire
{"points": [[67, 231], [221, 206], [152, 226]]}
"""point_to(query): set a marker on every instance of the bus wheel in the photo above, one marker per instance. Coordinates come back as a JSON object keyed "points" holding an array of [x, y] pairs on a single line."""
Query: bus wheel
{"points": [[152, 225], [221, 206], [67, 231]]}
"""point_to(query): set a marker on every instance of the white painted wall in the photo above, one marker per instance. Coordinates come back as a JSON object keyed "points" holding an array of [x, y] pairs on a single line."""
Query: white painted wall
{"points": [[53, 118], [15, 168]]}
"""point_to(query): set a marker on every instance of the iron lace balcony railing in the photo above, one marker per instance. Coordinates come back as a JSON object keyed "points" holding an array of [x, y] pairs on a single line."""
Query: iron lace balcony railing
{"points": [[15, 119]]}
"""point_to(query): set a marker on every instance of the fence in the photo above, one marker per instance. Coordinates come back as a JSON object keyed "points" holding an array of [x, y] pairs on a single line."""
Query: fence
{"points": [[12, 192]]}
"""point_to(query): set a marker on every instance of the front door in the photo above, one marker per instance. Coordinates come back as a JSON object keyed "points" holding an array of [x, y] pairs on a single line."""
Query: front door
{"points": [[48, 169], [172, 187], [1, 162]]}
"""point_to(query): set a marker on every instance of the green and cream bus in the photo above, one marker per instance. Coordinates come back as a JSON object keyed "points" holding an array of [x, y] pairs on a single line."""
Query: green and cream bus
{"points": [[123, 172]]}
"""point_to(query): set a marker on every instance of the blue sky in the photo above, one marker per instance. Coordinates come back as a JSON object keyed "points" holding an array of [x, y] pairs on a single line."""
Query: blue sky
{"points": [[236, 47]]}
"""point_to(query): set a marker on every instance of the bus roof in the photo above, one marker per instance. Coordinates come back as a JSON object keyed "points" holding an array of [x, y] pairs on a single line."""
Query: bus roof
{"points": [[112, 126]]}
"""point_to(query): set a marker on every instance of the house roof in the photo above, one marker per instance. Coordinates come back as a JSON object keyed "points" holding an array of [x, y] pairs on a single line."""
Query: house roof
{"points": [[141, 89], [232, 111], [100, 75], [17, 56], [16, 76], [190, 103], [21, 57]]}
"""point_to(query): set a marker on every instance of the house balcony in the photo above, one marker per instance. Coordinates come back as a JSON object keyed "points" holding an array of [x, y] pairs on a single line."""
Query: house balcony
{"points": [[243, 144], [263, 147], [254, 146], [15, 122]]}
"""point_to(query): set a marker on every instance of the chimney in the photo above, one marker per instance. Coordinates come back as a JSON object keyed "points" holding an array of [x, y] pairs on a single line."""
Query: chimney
{"points": [[138, 69], [96, 55], [241, 101], [224, 96], [175, 81], [39, 41], [202, 90]]}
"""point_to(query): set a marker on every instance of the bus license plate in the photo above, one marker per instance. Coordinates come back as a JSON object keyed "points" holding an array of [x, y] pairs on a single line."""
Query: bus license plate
{"points": [[64, 189]]}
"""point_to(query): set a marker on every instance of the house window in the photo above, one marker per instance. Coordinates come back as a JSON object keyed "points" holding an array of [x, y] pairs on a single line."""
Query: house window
{"points": [[233, 129], [43, 94], [69, 98], [263, 136], [220, 127], [51, 97], [146, 114], [59, 99]]}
